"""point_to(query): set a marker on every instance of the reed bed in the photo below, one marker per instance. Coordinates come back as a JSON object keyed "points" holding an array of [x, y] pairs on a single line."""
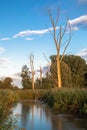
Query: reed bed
{"points": [[68, 100]]}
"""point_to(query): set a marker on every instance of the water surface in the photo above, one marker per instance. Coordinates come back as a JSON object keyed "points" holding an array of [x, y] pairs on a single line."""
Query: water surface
{"points": [[37, 116]]}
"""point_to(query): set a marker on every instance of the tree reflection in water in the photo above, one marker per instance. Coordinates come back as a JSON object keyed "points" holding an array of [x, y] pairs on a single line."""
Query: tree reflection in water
{"points": [[37, 116]]}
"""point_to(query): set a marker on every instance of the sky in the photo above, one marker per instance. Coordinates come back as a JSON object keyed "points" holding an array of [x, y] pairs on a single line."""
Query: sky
{"points": [[24, 30]]}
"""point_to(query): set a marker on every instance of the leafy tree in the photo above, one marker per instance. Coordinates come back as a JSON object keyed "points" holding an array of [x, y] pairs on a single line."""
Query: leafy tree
{"points": [[46, 81], [85, 76], [26, 81], [77, 66], [73, 71], [7, 83], [65, 73], [37, 84], [1, 84]]}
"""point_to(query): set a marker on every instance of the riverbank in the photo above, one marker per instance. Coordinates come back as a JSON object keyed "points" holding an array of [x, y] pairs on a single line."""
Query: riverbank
{"points": [[60, 100], [64, 100]]}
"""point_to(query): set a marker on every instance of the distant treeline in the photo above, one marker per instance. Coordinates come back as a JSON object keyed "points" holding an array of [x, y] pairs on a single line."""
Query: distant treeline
{"points": [[73, 73], [7, 84]]}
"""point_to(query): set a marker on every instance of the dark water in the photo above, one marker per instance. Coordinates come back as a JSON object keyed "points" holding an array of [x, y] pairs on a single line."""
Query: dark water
{"points": [[37, 116]]}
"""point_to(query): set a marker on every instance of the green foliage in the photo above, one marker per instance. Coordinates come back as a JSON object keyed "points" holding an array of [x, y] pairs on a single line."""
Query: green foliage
{"points": [[10, 123], [7, 120], [85, 76], [46, 81], [73, 71], [26, 82], [67, 100], [77, 66], [65, 73], [6, 83], [7, 97], [1, 84], [30, 94], [48, 98], [25, 94]]}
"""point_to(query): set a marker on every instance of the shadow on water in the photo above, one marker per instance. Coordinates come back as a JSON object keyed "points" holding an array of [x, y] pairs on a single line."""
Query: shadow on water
{"points": [[37, 116]]}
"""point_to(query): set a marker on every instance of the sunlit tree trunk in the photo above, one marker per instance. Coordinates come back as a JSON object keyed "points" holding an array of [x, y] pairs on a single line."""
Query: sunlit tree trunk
{"points": [[58, 33], [40, 77], [59, 83]]}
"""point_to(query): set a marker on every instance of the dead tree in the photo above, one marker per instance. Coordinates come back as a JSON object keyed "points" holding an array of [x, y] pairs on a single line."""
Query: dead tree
{"points": [[58, 34], [32, 69], [40, 76]]}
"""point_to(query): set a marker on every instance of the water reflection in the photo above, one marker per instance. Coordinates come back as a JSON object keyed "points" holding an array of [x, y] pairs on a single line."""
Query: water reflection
{"points": [[37, 116]]}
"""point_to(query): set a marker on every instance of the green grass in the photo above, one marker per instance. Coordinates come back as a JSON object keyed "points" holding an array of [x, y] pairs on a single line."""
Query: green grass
{"points": [[67, 100], [7, 98]]}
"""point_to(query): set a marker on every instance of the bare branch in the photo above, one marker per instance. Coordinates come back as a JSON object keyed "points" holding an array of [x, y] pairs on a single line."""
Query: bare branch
{"points": [[53, 66], [58, 39], [57, 18], [51, 18], [51, 33], [68, 41], [46, 59], [64, 30]]}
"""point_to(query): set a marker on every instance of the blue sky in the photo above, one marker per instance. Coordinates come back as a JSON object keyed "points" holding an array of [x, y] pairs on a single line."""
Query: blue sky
{"points": [[24, 29]]}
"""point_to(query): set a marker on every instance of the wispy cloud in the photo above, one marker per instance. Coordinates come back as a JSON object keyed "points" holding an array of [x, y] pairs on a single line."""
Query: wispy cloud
{"points": [[17, 74], [82, 1], [2, 49], [29, 39], [3, 61], [4, 39], [32, 32], [83, 54], [80, 22]]}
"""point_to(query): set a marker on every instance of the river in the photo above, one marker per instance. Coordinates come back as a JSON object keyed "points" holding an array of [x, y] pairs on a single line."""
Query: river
{"points": [[37, 116]]}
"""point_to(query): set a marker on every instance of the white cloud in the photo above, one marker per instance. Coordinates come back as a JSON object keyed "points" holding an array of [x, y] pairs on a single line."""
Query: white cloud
{"points": [[2, 49], [17, 80], [32, 32], [29, 39], [80, 22], [4, 39], [83, 54]]}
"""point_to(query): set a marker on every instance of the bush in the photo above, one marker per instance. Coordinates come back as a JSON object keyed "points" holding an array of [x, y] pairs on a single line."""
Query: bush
{"points": [[7, 97], [67, 100]]}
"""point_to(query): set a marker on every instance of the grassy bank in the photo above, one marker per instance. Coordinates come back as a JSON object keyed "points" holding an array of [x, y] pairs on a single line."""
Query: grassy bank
{"points": [[67, 100], [72, 100], [7, 98]]}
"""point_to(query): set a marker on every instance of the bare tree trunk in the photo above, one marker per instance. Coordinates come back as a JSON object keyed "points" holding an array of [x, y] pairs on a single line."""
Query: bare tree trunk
{"points": [[32, 69], [33, 80], [59, 84], [58, 41], [40, 77]]}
